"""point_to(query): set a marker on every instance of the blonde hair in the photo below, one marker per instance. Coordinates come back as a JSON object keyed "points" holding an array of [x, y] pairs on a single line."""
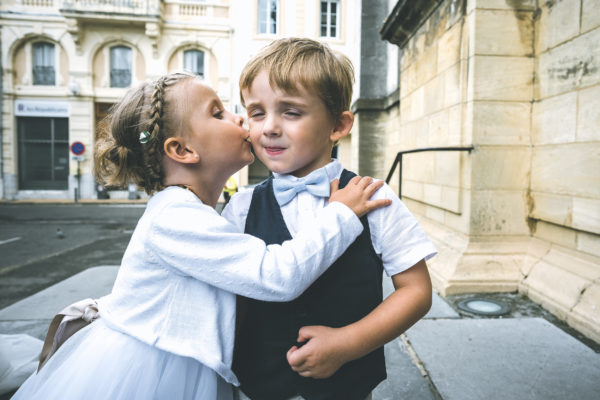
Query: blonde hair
{"points": [[119, 156], [313, 65]]}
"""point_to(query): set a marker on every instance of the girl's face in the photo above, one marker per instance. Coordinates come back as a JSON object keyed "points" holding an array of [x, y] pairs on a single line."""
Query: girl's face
{"points": [[213, 132]]}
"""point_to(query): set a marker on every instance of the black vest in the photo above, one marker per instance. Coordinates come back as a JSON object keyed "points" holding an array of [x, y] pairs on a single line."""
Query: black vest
{"points": [[345, 293]]}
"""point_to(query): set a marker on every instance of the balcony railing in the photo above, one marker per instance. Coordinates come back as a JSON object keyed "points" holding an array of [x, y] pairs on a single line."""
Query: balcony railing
{"points": [[133, 7], [43, 75]]}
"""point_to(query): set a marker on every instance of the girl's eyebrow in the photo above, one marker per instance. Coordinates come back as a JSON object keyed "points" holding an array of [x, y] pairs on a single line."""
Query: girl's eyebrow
{"points": [[214, 103]]}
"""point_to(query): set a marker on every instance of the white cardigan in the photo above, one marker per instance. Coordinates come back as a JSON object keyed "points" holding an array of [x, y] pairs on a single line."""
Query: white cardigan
{"points": [[185, 263]]}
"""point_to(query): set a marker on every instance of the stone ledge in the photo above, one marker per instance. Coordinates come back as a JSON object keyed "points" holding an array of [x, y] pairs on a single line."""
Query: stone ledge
{"points": [[406, 17]]}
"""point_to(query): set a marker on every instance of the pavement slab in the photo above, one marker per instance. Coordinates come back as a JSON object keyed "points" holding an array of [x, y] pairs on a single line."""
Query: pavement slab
{"points": [[33, 314], [527, 358]]}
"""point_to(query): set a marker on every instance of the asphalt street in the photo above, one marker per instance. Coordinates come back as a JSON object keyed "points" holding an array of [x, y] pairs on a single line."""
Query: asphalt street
{"points": [[41, 244]]}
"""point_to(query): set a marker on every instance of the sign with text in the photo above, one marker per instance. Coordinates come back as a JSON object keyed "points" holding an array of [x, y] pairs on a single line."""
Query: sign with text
{"points": [[41, 108]]}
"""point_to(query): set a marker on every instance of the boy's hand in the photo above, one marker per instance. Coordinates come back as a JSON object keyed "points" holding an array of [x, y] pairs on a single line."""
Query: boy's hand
{"points": [[357, 195], [322, 356]]}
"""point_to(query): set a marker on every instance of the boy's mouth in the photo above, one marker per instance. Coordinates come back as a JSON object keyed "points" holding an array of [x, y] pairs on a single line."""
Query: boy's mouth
{"points": [[273, 151]]}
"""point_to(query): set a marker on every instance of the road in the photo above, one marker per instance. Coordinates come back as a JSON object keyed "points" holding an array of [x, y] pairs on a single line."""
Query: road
{"points": [[41, 244]]}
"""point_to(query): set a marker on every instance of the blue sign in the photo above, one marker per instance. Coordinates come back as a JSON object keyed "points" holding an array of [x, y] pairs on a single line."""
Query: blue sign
{"points": [[77, 148]]}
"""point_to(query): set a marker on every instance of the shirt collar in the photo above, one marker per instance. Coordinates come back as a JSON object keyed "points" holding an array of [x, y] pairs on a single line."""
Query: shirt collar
{"points": [[333, 171]]}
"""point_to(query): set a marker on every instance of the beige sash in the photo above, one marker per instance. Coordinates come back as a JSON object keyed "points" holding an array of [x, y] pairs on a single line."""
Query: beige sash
{"points": [[65, 324]]}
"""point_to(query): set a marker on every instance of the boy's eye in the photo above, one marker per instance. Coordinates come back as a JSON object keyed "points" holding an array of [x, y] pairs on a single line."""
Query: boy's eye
{"points": [[218, 114], [293, 113], [255, 114]]}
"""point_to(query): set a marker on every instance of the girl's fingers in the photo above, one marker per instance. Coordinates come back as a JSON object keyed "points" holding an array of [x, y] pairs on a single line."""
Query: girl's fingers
{"points": [[373, 187], [365, 182], [375, 204], [334, 186]]}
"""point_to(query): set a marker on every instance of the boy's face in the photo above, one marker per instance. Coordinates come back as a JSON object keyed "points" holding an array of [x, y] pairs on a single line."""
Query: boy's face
{"points": [[291, 133]]}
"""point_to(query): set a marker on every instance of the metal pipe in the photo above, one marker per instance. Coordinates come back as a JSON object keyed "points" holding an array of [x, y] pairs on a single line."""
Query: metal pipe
{"points": [[398, 161]]}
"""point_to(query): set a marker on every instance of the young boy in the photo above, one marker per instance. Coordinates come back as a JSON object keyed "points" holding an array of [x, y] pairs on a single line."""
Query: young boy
{"points": [[297, 93]]}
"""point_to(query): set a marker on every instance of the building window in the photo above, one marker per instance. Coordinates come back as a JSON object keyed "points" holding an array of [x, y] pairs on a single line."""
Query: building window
{"points": [[43, 153], [330, 18], [43, 64], [267, 16], [120, 66], [193, 61]]}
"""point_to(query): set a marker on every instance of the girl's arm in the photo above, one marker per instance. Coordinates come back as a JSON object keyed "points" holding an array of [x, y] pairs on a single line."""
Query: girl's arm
{"points": [[195, 241], [330, 348]]}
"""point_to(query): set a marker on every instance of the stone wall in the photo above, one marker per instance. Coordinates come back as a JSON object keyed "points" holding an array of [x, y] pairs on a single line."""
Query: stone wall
{"points": [[518, 80], [565, 164]]}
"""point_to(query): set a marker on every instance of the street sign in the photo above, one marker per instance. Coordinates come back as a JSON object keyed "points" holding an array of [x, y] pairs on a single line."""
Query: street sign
{"points": [[77, 148], [79, 158]]}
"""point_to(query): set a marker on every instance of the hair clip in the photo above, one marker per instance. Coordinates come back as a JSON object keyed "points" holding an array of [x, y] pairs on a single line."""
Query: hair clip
{"points": [[144, 137]]}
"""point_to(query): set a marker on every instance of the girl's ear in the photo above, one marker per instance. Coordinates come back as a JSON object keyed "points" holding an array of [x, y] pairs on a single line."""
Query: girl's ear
{"points": [[342, 126], [176, 150]]}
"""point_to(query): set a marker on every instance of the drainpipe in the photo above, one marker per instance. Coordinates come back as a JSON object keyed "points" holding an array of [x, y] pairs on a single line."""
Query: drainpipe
{"points": [[1, 129]]}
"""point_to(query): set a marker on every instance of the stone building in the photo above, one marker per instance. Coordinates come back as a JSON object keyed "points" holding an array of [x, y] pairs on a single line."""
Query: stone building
{"points": [[519, 81], [65, 62]]}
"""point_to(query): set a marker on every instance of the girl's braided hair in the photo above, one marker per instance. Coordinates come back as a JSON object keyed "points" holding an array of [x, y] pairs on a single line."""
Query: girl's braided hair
{"points": [[120, 157]]}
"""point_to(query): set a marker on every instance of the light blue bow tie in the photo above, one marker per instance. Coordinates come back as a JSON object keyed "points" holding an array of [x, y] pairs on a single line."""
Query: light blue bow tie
{"points": [[316, 183]]}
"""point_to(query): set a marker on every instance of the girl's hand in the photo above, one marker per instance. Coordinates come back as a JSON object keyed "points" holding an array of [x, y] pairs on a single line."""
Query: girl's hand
{"points": [[357, 195]]}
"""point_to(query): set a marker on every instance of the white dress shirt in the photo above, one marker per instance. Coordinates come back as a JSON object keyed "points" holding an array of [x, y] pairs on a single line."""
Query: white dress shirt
{"points": [[395, 233], [185, 264]]}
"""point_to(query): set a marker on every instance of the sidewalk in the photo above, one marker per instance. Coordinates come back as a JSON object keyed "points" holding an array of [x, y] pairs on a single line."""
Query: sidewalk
{"points": [[444, 356]]}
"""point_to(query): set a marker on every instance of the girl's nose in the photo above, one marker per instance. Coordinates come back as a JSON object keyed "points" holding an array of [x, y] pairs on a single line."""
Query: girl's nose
{"points": [[238, 119]]}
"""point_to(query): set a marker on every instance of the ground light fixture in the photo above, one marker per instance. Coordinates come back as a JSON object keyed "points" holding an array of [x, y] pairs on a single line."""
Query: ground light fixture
{"points": [[481, 306]]}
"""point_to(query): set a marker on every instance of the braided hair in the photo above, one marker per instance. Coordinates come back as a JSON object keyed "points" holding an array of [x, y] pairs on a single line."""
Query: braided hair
{"points": [[120, 155]]}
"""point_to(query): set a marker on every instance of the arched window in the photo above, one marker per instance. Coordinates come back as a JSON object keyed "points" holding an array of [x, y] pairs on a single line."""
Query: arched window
{"points": [[268, 16], [44, 72], [120, 66], [193, 61]]}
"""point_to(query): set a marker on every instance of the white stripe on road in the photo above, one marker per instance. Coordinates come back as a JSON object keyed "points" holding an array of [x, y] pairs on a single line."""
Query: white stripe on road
{"points": [[10, 240]]}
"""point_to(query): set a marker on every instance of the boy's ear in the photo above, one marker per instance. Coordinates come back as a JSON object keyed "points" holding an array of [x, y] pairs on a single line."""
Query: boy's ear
{"points": [[176, 150], [342, 126]]}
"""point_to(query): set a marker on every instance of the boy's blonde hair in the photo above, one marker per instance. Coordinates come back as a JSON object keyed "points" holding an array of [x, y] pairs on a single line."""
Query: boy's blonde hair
{"points": [[313, 65], [120, 155]]}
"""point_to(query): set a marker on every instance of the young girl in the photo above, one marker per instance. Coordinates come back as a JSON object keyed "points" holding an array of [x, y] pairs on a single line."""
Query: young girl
{"points": [[167, 329]]}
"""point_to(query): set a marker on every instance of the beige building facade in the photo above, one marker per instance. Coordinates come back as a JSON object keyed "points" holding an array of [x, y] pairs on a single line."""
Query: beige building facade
{"points": [[519, 81], [65, 62]]}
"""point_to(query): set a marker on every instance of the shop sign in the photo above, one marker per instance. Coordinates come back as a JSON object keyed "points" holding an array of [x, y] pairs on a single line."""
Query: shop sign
{"points": [[40, 108]]}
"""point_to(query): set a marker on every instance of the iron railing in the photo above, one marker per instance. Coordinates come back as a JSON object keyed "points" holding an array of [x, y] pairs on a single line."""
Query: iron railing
{"points": [[398, 161]]}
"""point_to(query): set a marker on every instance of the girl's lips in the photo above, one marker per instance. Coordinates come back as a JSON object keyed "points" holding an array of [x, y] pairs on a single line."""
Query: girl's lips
{"points": [[273, 151]]}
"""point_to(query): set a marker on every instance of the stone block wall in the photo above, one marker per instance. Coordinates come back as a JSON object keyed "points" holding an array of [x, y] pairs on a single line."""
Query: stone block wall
{"points": [[565, 164], [519, 81]]}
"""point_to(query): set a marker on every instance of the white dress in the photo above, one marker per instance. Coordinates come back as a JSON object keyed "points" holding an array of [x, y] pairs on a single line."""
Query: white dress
{"points": [[167, 329]]}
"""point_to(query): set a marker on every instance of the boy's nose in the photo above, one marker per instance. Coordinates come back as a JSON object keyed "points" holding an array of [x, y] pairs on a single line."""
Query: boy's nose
{"points": [[270, 127]]}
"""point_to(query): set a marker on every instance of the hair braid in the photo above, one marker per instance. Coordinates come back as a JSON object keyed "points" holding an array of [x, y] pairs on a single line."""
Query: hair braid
{"points": [[120, 157]]}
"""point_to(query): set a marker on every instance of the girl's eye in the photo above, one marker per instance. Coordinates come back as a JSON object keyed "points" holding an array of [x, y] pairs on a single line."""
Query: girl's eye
{"points": [[256, 114], [218, 114]]}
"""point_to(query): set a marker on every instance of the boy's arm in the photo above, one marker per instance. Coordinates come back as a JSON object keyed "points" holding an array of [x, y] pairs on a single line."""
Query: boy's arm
{"points": [[330, 348]]}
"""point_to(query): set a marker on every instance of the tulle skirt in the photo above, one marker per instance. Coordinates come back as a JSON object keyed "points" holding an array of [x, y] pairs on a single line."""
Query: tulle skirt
{"points": [[100, 363]]}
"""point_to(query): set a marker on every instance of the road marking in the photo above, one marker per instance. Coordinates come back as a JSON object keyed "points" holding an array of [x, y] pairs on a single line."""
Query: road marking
{"points": [[10, 240]]}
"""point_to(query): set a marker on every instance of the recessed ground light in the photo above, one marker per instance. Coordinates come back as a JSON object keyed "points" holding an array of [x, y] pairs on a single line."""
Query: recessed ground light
{"points": [[481, 306]]}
